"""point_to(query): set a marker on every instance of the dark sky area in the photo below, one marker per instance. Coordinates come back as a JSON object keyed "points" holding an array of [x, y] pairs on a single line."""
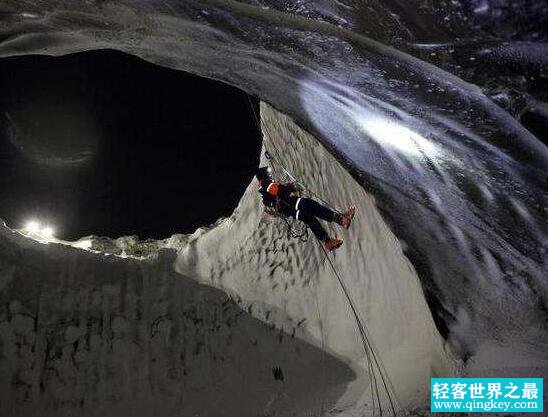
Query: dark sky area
{"points": [[105, 143]]}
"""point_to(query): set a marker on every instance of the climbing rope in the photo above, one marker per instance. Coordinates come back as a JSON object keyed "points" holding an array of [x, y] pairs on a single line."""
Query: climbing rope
{"points": [[374, 365], [274, 160], [322, 346]]}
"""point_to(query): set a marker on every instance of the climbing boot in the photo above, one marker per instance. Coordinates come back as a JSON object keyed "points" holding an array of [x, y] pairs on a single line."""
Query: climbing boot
{"points": [[332, 244], [344, 219], [348, 215]]}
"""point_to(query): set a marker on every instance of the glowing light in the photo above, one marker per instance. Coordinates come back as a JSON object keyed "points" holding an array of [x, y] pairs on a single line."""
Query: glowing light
{"points": [[83, 244], [399, 137], [32, 226], [37, 230], [47, 232]]}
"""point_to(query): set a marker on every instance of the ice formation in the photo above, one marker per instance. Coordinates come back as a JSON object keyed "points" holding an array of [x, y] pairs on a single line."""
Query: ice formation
{"points": [[414, 114]]}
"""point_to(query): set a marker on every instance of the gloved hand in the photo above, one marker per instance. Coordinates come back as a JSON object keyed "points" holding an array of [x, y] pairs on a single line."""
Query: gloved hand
{"points": [[296, 187], [270, 211]]}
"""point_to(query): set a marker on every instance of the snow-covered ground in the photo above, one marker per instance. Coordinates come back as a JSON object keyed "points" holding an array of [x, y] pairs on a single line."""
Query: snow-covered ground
{"points": [[90, 334]]}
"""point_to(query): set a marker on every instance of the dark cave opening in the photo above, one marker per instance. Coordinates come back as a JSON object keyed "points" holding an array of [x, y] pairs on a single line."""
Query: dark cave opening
{"points": [[105, 143], [537, 123]]}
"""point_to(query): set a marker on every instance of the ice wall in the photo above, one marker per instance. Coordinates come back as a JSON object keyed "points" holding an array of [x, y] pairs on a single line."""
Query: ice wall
{"points": [[88, 334], [406, 96], [99, 334], [250, 254]]}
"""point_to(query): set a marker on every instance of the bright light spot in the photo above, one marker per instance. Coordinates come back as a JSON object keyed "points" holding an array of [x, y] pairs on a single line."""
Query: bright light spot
{"points": [[83, 244], [399, 137], [37, 230], [32, 226], [47, 232]]}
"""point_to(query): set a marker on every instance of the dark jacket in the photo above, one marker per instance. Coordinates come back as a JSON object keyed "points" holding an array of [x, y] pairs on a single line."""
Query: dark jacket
{"points": [[280, 197]]}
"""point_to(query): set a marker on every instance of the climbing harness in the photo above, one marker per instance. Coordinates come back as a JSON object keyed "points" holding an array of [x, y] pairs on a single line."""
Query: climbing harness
{"points": [[295, 229], [299, 232], [274, 161]]}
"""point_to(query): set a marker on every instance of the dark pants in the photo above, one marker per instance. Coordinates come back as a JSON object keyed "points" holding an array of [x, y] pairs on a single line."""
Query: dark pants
{"points": [[308, 211]]}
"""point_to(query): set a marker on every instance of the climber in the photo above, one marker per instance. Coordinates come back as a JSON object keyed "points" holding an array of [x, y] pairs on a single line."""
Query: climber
{"points": [[285, 200]]}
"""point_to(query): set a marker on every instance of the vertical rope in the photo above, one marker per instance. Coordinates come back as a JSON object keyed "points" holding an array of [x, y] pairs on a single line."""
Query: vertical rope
{"points": [[373, 363], [276, 160], [367, 345]]}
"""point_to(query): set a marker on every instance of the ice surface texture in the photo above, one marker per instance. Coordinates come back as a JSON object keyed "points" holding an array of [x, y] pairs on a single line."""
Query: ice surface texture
{"points": [[421, 105]]}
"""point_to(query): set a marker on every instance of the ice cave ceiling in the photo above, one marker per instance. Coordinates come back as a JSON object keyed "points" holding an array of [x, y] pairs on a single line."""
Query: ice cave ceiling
{"points": [[405, 97]]}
